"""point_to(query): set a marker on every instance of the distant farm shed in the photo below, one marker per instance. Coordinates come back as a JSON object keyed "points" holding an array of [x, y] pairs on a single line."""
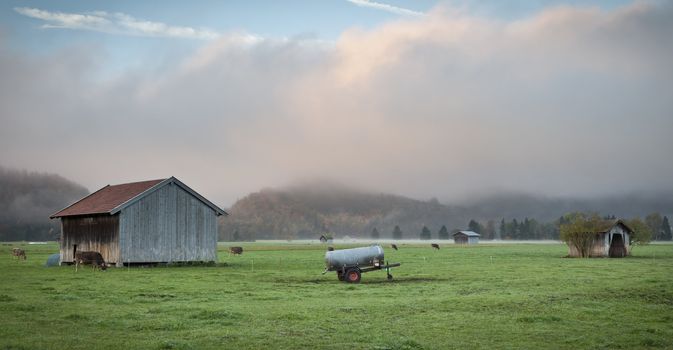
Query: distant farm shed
{"points": [[466, 237], [141, 222], [612, 239]]}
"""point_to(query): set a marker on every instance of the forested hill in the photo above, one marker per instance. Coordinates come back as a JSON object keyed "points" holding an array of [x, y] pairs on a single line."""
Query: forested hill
{"points": [[26, 201], [304, 212], [309, 211]]}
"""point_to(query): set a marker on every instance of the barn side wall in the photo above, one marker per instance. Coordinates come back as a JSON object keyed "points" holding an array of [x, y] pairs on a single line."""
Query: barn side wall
{"points": [[597, 248], [168, 225], [99, 233]]}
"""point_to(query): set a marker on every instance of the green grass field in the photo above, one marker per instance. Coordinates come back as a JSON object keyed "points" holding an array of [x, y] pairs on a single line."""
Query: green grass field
{"points": [[509, 296]]}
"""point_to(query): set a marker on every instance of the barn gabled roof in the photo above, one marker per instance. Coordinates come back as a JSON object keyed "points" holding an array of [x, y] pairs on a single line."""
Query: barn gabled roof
{"points": [[112, 199], [607, 225], [468, 233]]}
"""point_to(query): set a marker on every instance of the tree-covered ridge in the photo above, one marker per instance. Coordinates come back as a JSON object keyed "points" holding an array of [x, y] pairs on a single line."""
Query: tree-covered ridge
{"points": [[28, 198], [309, 211]]}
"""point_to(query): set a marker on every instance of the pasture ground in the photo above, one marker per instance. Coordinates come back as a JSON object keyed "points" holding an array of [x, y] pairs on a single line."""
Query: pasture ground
{"points": [[509, 296]]}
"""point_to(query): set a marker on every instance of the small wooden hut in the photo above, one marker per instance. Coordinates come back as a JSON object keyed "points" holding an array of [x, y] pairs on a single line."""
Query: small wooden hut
{"points": [[612, 239], [466, 237], [141, 222]]}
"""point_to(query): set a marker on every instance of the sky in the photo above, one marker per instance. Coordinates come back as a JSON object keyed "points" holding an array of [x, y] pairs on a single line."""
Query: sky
{"points": [[428, 99]]}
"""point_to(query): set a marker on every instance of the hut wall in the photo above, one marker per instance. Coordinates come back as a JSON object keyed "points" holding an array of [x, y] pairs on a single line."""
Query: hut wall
{"points": [[472, 240], [598, 248], [168, 225], [460, 239], [99, 233]]}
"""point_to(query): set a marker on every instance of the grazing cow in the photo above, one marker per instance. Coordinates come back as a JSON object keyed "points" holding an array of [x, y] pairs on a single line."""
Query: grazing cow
{"points": [[394, 246], [330, 249], [435, 245], [235, 250], [19, 253], [95, 259]]}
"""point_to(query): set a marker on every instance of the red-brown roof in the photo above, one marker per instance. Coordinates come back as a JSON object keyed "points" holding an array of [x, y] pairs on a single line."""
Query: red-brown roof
{"points": [[106, 199]]}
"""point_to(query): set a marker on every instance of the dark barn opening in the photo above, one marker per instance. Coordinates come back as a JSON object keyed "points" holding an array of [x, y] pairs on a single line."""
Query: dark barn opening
{"points": [[617, 248]]}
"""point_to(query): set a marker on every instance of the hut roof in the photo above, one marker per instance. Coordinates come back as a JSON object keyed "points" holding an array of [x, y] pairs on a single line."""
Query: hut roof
{"points": [[468, 233], [607, 225], [112, 199]]}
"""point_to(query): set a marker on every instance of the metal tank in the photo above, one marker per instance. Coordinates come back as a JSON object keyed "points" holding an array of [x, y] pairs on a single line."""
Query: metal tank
{"points": [[355, 257], [349, 264]]}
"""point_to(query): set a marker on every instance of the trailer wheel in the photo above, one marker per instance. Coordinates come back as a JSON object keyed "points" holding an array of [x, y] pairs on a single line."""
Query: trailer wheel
{"points": [[353, 276]]}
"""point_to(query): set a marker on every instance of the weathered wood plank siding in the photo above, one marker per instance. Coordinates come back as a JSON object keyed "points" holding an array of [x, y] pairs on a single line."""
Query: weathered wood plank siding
{"points": [[99, 233], [168, 225]]}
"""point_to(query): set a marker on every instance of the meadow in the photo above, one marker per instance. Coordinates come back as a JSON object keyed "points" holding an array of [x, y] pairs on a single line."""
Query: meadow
{"points": [[504, 296]]}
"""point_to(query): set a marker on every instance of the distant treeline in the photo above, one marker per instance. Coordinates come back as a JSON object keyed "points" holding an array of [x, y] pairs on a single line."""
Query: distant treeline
{"points": [[310, 211], [26, 201]]}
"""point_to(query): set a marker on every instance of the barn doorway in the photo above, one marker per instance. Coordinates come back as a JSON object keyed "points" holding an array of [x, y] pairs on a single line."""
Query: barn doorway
{"points": [[617, 248]]}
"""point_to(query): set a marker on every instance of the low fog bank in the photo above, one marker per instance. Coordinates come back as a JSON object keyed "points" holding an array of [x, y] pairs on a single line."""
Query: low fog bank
{"points": [[547, 208]]}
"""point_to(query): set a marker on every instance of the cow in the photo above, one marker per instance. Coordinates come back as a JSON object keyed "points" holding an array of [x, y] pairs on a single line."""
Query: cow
{"points": [[435, 245], [330, 249], [394, 246], [95, 259], [235, 250], [19, 253]]}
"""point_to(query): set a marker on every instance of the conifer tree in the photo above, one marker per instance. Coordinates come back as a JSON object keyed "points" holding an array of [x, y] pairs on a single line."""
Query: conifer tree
{"points": [[397, 233], [443, 233], [425, 233]]}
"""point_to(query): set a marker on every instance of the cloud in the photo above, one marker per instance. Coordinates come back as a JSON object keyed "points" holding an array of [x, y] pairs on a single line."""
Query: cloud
{"points": [[386, 7], [571, 101], [114, 23]]}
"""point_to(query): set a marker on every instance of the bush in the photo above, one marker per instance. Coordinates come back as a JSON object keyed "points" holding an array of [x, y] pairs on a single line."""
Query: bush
{"points": [[579, 231]]}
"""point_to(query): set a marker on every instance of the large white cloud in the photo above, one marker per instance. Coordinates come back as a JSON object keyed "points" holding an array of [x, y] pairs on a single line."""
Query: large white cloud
{"points": [[570, 101]]}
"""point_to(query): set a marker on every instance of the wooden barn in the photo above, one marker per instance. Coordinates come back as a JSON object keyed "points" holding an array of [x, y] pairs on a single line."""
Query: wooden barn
{"points": [[466, 237], [612, 239], [141, 222]]}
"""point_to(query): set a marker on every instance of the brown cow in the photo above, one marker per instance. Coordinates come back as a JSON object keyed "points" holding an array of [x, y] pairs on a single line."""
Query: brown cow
{"points": [[95, 259], [394, 246], [435, 245], [330, 249], [19, 253], [235, 250]]}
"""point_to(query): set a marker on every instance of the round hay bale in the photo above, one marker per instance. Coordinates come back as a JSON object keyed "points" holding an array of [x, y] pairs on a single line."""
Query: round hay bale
{"points": [[53, 260]]}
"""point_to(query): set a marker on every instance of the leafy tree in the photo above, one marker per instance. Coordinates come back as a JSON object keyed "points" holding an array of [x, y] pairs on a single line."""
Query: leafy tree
{"points": [[397, 233], [425, 233], [666, 229], [375, 233], [654, 222], [579, 231], [474, 226], [642, 234], [443, 233]]}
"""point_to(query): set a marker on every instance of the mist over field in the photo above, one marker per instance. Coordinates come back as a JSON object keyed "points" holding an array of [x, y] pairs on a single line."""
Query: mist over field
{"points": [[568, 101]]}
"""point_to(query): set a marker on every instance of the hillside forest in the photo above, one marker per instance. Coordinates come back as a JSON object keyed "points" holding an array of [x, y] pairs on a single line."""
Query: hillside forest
{"points": [[321, 208]]}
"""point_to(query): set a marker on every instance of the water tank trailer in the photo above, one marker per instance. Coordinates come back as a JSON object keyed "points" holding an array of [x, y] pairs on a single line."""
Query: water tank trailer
{"points": [[350, 264]]}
